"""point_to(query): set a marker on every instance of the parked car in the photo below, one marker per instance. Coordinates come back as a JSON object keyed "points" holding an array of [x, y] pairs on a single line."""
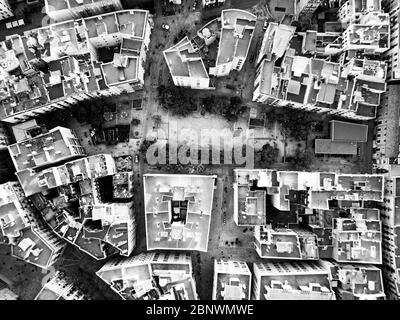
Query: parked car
{"points": [[165, 26], [136, 158], [265, 26]]}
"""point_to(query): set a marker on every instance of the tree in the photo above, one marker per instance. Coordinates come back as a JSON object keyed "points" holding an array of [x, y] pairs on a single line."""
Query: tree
{"points": [[295, 123], [302, 159], [90, 112], [157, 120], [135, 122], [230, 108], [235, 109], [145, 145], [268, 155], [177, 100]]}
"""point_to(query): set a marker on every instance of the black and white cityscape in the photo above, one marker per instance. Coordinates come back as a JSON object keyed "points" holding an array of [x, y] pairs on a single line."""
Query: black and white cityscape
{"points": [[199, 150]]}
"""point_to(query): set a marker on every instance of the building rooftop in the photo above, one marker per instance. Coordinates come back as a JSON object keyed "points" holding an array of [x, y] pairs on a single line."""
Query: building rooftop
{"points": [[360, 282], [357, 239], [352, 89], [56, 5], [151, 276], [178, 211], [56, 40], [66, 76], [18, 223], [190, 58], [327, 146], [372, 31], [317, 188], [285, 244], [94, 226], [184, 61], [236, 34], [123, 185], [276, 41], [73, 69], [12, 217], [358, 7], [49, 148], [130, 22], [122, 69], [347, 131], [232, 280], [60, 288], [32, 248], [293, 281]]}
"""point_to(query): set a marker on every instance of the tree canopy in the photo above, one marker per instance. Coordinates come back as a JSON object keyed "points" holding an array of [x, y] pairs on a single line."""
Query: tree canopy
{"points": [[302, 159], [230, 108], [177, 100], [296, 123], [268, 155]]}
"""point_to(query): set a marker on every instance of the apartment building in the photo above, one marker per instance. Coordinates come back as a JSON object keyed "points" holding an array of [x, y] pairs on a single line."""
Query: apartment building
{"points": [[4, 137], [178, 211], [271, 49], [358, 238], [301, 215], [28, 130], [30, 239], [309, 190], [67, 81], [57, 145], [391, 230], [352, 90], [306, 8], [76, 208], [291, 281], [123, 185], [5, 10], [211, 3], [229, 36], [287, 244], [131, 30], [60, 287], [386, 132], [321, 44], [392, 55], [69, 52], [151, 276], [92, 167], [232, 280], [356, 282], [61, 10], [370, 34], [352, 10], [7, 294], [186, 65], [237, 28]]}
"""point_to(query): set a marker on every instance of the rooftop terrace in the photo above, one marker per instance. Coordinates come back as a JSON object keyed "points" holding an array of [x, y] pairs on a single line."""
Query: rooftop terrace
{"points": [[48, 148], [178, 211]]}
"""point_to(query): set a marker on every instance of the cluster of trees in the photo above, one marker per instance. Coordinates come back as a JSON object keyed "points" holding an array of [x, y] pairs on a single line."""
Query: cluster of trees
{"points": [[302, 159], [91, 112], [180, 102], [295, 123], [267, 155], [230, 108], [177, 100]]}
